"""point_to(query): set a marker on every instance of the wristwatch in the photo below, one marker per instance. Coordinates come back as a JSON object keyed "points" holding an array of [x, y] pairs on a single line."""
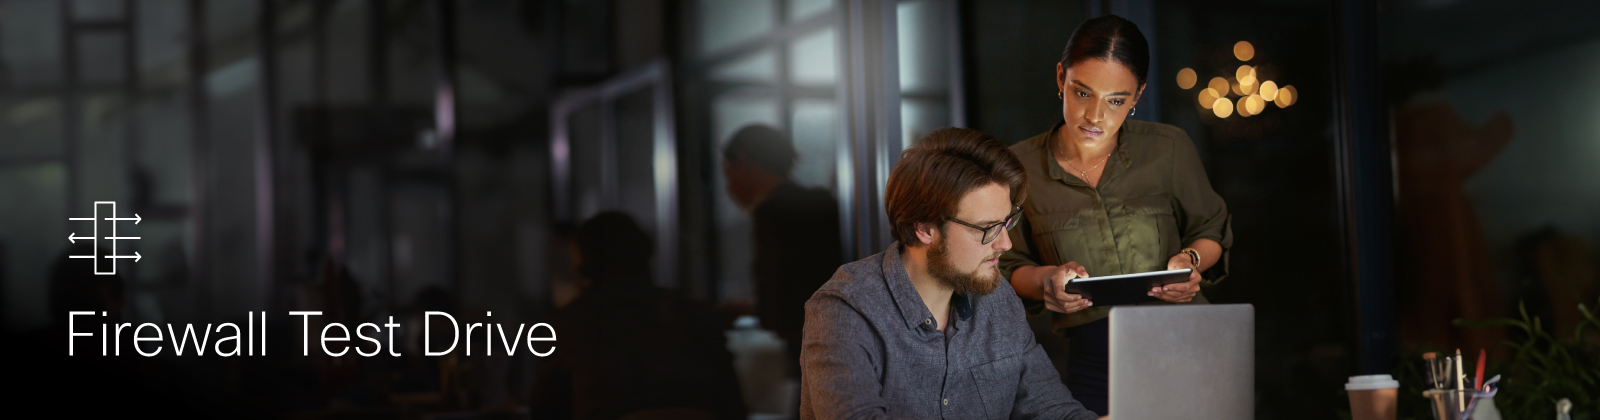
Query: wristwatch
{"points": [[1194, 257]]}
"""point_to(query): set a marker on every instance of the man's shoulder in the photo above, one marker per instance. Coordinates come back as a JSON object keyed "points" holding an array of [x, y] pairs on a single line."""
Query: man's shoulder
{"points": [[856, 280]]}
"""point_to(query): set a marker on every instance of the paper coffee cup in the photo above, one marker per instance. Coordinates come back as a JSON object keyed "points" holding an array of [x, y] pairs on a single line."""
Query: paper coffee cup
{"points": [[1373, 397]]}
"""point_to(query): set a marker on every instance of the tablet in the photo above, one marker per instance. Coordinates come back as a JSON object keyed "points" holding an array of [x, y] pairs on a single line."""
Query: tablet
{"points": [[1125, 289]]}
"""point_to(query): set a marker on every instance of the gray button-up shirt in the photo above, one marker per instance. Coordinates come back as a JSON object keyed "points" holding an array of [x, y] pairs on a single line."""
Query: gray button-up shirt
{"points": [[872, 351]]}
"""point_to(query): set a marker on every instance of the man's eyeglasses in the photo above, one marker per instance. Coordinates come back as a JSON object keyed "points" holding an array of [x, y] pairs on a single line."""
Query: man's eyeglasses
{"points": [[993, 231]]}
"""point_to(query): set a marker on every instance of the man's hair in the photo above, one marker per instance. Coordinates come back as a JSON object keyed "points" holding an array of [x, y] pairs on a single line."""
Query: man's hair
{"points": [[941, 168], [766, 146]]}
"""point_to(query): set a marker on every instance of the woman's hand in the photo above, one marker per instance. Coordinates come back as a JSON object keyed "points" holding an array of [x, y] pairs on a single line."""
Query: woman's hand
{"points": [[1179, 292], [1054, 288]]}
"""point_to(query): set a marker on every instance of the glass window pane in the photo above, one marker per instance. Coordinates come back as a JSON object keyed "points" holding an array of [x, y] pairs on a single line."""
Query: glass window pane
{"points": [[730, 112], [583, 136], [96, 9], [918, 117], [724, 23], [102, 58], [760, 67], [924, 46], [816, 140], [735, 109], [802, 9], [29, 248], [102, 140], [636, 181], [812, 59], [31, 126], [164, 148], [30, 43], [161, 27]]}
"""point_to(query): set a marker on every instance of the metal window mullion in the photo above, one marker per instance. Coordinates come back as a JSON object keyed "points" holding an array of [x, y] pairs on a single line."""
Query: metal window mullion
{"points": [[890, 136], [958, 83], [265, 194], [70, 105], [609, 195], [132, 142], [200, 189], [665, 169]]}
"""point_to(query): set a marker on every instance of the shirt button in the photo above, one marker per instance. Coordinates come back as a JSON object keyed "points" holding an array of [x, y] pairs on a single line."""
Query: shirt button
{"points": [[928, 321], [946, 401]]}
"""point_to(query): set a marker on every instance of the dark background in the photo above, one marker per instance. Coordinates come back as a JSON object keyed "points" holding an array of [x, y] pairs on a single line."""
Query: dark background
{"points": [[276, 147]]}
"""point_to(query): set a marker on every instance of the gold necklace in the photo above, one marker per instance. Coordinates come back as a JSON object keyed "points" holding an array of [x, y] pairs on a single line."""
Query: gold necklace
{"points": [[1085, 174]]}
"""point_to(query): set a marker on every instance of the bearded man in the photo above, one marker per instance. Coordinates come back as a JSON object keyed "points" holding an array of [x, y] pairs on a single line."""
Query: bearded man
{"points": [[928, 328]]}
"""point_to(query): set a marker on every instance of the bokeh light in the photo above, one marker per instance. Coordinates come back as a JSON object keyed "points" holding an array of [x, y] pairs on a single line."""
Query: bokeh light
{"points": [[1286, 96], [1222, 108], [1245, 73], [1255, 104], [1269, 90], [1244, 51], [1220, 85], [1208, 96], [1241, 108], [1186, 78]]}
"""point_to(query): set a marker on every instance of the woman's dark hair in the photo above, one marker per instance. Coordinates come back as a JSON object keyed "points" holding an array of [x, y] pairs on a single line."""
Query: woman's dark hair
{"points": [[1109, 38]]}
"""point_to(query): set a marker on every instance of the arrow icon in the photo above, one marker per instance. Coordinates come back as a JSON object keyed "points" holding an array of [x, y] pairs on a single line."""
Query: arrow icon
{"points": [[135, 256], [74, 237], [135, 218]]}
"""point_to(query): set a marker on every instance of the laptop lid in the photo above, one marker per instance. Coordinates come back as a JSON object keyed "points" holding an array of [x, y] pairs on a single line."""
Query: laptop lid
{"points": [[1183, 361]]}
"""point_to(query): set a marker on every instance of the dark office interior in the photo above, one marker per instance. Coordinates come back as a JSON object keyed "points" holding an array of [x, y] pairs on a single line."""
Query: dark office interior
{"points": [[1419, 177]]}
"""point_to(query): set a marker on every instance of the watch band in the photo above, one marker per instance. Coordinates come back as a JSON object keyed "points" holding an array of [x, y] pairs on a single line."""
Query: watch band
{"points": [[1194, 256]]}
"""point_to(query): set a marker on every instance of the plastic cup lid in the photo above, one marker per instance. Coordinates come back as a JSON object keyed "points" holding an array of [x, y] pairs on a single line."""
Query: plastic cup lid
{"points": [[1371, 382]]}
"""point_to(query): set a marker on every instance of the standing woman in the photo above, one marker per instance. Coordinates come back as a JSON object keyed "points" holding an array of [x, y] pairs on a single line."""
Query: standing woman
{"points": [[1107, 196]]}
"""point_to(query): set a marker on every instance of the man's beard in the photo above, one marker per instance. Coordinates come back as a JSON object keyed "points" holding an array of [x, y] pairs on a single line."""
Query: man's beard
{"points": [[980, 281]]}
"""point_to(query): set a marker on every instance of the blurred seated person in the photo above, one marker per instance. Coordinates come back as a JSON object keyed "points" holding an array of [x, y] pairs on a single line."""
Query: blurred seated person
{"points": [[928, 328], [796, 238], [626, 346]]}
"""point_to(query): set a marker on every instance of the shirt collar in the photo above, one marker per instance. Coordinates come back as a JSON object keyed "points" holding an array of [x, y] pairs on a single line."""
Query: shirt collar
{"points": [[905, 295], [1058, 173]]}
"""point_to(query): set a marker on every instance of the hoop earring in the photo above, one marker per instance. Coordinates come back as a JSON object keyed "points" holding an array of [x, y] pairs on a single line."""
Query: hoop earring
{"points": [[1134, 110], [1059, 95]]}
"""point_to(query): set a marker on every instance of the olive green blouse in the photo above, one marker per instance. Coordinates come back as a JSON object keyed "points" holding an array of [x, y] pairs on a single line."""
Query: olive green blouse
{"points": [[1153, 200]]}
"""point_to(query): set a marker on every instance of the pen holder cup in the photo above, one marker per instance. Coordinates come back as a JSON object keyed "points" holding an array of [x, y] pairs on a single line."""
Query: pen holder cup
{"points": [[1454, 405]]}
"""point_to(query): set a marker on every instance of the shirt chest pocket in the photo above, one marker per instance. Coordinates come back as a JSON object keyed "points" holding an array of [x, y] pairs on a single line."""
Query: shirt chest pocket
{"points": [[1057, 236], [997, 383], [1152, 232]]}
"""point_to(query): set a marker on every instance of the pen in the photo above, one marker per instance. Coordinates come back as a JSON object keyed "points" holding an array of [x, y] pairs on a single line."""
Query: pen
{"points": [[1477, 383]]}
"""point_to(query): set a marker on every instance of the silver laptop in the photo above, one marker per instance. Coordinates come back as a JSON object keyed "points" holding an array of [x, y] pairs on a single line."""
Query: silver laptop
{"points": [[1193, 362]]}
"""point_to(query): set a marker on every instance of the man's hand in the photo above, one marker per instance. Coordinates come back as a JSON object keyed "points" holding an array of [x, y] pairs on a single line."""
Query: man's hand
{"points": [[1179, 292], [1054, 288]]}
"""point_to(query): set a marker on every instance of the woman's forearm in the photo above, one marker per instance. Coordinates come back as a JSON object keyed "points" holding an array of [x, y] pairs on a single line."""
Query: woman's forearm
{"points": [[1210, 253], [1025, 280]]}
